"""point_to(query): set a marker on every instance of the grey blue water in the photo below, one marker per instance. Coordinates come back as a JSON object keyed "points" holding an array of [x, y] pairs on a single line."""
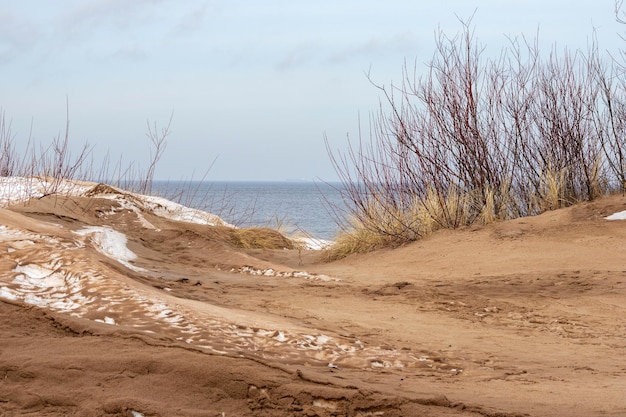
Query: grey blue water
{"points": [[292, 207]]}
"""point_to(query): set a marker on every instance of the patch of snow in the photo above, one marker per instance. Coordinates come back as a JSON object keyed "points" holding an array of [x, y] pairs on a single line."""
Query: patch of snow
{"points": [[44, 286], [326, 404], [161, 207], [110, 243], [31, 278], [377, 364], [22, 244], [165, 208], [71, 303], [107, 320], [313, 243], [18, 189], [35, 300], [20, 238], [269, 272], [280, 336], [15, 190], [617, 216], [33, 271], [8, 294], [124, 204]]}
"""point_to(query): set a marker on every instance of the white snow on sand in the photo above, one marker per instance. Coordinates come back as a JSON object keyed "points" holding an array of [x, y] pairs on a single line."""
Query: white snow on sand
{"points": [[110, 243], [165, 208], [107, 320], [269, 272], [313, 243], [161, 207], [45, 285], [617, 216], [59, 274], [14, 190], [39, 276], [8, 294]]}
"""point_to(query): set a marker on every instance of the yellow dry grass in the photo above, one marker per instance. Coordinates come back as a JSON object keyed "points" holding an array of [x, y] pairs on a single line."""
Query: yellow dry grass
{"points": [[260, 238], [384, 225]]}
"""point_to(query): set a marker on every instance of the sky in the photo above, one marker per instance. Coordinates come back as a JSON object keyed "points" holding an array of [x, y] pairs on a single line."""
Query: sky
{"points": [[253, 87]]}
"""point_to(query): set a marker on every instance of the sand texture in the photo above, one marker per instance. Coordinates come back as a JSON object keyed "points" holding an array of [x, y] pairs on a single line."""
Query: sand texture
{"points": [[112, 310]]}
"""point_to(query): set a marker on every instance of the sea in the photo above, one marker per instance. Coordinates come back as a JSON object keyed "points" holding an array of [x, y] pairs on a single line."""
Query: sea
{"points": [[309, 209]]}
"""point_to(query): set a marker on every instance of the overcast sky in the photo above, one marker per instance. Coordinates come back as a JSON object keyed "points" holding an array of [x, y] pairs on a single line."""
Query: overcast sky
{"points": [[255, 84]]}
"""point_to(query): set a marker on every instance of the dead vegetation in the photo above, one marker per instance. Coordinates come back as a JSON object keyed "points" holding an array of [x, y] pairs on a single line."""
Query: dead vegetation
{"points": [[261, 238], [477, 139]]}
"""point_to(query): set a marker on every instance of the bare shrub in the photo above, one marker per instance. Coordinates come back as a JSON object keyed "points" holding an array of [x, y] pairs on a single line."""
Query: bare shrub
{"points": [[158, 139], [8, 161], [476, 140], [56, 162], [54, 167]]}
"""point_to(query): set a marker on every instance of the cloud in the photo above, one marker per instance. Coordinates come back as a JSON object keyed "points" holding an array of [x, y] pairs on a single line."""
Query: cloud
{"points": [[130, 52], [303, 54], [193, 20], [376, 47], [17, 37], [85, 19]]}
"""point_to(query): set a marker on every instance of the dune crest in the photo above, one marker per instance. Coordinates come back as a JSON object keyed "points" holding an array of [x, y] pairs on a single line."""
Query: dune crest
{"points": [[137, 306]]}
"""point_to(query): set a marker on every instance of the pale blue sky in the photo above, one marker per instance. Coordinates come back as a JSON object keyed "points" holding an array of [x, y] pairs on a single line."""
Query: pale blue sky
{"points": [[255, 84]]}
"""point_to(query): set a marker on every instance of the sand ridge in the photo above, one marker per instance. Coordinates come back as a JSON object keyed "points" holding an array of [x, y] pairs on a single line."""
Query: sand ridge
{"points": [[517, 318]]}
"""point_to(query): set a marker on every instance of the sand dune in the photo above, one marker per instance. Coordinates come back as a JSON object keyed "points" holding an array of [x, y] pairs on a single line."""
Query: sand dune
{"points": [[121, 305]]}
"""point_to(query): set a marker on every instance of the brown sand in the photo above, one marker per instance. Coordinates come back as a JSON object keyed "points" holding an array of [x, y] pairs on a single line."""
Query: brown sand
{"points": [[520, 318]]}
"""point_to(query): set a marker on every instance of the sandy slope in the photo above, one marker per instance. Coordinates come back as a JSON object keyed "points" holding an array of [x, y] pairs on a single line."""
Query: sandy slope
{"points": [[519, 318]]}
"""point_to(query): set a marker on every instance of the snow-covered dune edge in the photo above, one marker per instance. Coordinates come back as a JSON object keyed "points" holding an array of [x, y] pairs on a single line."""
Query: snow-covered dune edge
{"points": [[89, 271], [16, 190]]}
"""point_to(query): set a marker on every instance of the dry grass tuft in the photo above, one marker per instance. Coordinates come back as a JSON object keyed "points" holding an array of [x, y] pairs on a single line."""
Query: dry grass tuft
{"points": [[358, 240], [260, 238]]}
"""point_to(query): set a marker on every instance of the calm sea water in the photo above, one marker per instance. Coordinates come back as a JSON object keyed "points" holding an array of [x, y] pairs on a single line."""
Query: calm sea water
{"points": [[290, 206]]}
